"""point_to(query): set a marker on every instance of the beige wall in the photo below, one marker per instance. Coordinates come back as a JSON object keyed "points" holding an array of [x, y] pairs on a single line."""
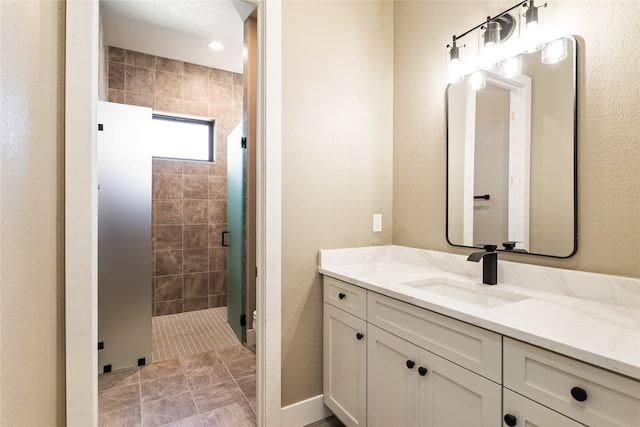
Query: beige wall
{"points": [[32, 376], [608, 126], [337, 64]]}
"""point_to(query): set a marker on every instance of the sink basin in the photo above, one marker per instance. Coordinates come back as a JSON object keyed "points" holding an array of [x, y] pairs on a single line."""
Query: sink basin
{"points": [[464, 292]]}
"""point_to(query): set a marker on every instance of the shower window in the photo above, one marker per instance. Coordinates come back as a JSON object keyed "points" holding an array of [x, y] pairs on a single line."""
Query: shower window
{"points": [[182, 138]]}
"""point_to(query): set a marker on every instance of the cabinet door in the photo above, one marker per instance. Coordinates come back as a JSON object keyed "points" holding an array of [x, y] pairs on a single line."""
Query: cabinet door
{"points": [[392, 380], [454, 396], [344, 362], [520, 411]]}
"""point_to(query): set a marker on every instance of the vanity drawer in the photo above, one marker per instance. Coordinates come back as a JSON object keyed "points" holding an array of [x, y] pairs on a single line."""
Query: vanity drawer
{"points": [[469, 346], [345, 296], [551, 379]]}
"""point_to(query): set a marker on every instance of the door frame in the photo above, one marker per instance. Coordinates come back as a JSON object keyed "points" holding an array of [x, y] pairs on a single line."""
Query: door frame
{"points": [[81, 96], [519, 88]]}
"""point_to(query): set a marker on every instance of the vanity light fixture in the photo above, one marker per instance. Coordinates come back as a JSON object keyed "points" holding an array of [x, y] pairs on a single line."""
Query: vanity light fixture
{"points": [[533, 30], [491, 33], [554, 52], [454, 72], [511, 67], [478, 80]]}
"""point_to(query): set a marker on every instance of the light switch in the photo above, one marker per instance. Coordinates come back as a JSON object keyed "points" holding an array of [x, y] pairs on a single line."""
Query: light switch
{"points": [[377, 223]]}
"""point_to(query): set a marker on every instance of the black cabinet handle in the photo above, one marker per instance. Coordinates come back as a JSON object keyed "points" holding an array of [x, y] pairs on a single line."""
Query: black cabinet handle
{"points": [[579, 394], [422, 371], [359, 336], [341, 295], [410, 364], [510, 420]]}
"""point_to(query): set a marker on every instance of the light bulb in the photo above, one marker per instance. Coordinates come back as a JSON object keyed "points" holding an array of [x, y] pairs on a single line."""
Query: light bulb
{"points": [[554, 52], [511, 67], [478, 80]]}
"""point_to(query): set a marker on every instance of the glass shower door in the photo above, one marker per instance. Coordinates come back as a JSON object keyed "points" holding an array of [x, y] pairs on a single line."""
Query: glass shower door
{"points": [[236, 158]]}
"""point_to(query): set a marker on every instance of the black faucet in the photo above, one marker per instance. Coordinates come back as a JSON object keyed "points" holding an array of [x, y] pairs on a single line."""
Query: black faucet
{"points": [[489, 263]]}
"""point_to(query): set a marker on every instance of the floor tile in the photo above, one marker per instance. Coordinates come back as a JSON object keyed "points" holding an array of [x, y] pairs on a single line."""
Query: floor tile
{"points": [[168, 410], [118, 378], [214, 397], [236, 415], [229, 354], [242, 367], [163, 387], [160, 369], [118, 398], [186, 422], [208, 376], [129, 417], [247, 385], [200, 360]]}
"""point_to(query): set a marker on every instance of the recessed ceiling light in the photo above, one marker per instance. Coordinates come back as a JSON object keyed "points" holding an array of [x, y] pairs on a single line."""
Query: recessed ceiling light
{"points": [[215, 45]]}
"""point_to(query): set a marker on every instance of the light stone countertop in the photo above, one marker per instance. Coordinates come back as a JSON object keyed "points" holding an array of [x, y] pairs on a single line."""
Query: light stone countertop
{"points": [[604, 335]]}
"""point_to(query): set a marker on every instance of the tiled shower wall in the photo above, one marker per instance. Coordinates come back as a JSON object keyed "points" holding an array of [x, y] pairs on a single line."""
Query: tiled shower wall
{"points": [[189, 198]]}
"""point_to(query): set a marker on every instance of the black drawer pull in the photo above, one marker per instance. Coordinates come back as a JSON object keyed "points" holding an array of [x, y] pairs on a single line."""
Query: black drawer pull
{"points": [[359, 336], [341, 295], [422, 371], [510, 420], [410, 364], [579, 394]]}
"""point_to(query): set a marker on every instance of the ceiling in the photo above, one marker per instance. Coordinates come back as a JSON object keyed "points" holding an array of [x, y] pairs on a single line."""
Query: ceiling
{"points": [[179, 29]]}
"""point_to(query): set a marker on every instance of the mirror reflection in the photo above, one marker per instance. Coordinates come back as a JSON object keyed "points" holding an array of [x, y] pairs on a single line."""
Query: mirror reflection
{"points": [[511, 140]]}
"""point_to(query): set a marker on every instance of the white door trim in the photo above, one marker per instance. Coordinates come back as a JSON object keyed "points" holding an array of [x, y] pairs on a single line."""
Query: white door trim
{"points": [[81, 96]]}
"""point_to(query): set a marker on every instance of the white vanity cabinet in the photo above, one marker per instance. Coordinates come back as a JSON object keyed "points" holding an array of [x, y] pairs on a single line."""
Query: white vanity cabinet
{"points": [[391, 363], [345, 352], [409, 386], [591, 395]]}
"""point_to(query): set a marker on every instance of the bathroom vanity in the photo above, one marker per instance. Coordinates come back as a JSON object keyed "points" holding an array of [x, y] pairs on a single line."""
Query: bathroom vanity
{"points": [[411, 338]]}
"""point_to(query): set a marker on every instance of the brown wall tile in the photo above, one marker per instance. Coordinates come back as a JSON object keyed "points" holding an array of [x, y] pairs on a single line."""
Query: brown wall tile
{"points": [[139, 99], [169, 65], [220, 93], [238, 79], [167, 212], [195, 108], [217, 259], [116, 95], [168, 307], [194, 211], [217, 187], [215, 235], [168, 105], [193, 70], [168, 237], [139, 80], [167, 186], [195, 261], [172, 167], [168, 85], [196, 285], [195, 89], [168, 262], [116, 75], [195, 236], [217, 300], [196, 168], [140, 59], [116, 54], [217, 211], [194, 304], [217, 282], [195, 186], [169, 288]]}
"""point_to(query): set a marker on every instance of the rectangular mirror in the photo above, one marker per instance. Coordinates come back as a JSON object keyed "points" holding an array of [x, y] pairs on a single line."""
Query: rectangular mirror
{"points": [[511, 155]]}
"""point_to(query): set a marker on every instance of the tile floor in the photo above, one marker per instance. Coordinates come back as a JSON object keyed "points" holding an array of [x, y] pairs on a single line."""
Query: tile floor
{"points": [[200, 376], [196, 378]]}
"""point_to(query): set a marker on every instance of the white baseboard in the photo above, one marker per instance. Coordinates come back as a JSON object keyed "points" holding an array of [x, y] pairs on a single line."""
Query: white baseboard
{"points": [[251, 337], [305, 412]]}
